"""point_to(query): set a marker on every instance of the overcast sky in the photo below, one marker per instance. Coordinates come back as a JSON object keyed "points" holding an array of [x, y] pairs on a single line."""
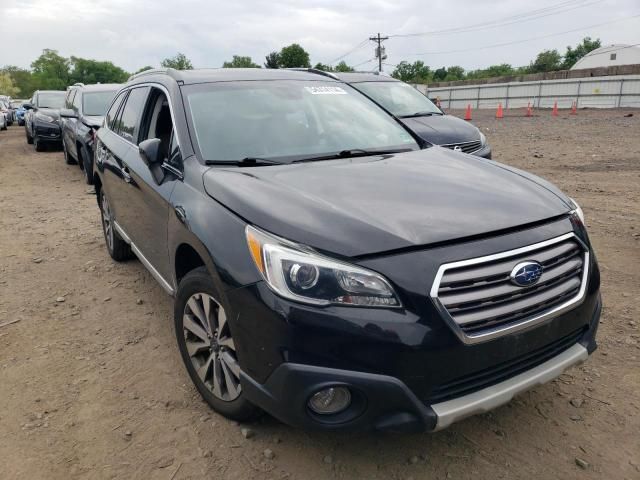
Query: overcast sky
{"points": [[135, 33]]}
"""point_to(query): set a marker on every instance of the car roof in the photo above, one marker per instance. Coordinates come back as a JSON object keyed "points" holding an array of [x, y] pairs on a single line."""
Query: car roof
{"points": [[207, 75], [358, 77], [98, 87]]}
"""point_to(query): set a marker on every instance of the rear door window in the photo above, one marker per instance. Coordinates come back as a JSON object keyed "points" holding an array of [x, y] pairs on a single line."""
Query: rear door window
{"points": [[129, 124], [76, 101], [113, 111]]}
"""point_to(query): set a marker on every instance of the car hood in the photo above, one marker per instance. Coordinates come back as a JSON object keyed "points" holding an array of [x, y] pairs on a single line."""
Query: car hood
{"points": [[93, 120], [442, 129], [374, 204], [52, 112]]}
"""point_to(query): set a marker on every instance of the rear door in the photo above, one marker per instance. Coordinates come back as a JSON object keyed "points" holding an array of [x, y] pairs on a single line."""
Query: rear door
{"points": [[150, 187]]}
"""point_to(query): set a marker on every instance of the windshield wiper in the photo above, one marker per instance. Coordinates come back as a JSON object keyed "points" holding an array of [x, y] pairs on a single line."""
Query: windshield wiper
{"points": [[351, 153], [420, 114], [245, 162]]}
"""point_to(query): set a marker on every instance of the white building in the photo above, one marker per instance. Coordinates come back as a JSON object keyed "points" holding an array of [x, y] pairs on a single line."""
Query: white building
{"points": [[609, 56]]}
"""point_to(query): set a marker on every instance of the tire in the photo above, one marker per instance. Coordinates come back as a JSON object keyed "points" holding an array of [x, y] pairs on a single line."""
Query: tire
{"points": [[67, 158], [87, 165], [39, 146], [116, 246], [29, 137], [218, 381]]}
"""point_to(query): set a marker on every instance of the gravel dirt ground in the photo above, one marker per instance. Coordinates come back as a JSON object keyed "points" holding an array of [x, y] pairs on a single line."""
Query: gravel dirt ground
{"points": [[92, 385]]}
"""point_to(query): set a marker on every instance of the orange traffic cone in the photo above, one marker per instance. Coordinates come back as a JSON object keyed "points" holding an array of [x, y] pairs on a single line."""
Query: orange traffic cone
{"points": [[555, 109], [574, 108], [529, 109], [467, 115], [499, 111]]}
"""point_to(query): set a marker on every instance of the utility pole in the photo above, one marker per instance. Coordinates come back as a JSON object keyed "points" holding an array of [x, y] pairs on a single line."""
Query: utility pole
{"points": [[380, 52]]}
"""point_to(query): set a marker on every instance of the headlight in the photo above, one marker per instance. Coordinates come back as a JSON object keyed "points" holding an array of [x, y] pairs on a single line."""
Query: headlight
{"points": [[577, 210], [298, 273], [45, 118], [483, 139]]}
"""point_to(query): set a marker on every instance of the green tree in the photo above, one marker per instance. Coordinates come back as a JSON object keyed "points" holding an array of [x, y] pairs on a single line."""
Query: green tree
{"points": [[6, 85], [343, 67], [546, 61], [323, 67], [572, 55], [22, 79], [240, 62], [272, 60], [293, 56], [179, 62], [93, 71], [50, 71], [440, 74], [416, 72], [455, 73]]}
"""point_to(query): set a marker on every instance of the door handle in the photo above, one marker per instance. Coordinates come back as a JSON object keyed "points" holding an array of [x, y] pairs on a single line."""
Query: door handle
{"points": [[126, 174], [180, 213]]}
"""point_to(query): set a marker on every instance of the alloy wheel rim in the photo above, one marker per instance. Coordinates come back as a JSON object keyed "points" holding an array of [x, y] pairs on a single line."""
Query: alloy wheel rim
{"points": [[210, 346], [106, 222]]}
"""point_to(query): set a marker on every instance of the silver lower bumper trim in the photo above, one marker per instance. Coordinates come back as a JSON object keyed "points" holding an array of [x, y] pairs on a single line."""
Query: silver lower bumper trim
{"points": [[491, 397]]}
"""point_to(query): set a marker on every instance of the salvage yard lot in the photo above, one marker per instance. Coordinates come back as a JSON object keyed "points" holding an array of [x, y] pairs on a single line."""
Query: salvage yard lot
{"points": [[92, 385]]}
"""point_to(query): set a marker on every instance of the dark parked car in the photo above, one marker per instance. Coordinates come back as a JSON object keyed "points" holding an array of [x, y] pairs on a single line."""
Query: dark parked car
{"points": [[327, 270], [81, 117], [19, 111], [419, 114], [42, 120]]}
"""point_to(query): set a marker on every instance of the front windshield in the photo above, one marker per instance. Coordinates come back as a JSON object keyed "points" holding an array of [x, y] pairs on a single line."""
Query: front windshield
{"points": [[399, 98], [96, 103], [287, 120], [16, 104], [51, 99]]}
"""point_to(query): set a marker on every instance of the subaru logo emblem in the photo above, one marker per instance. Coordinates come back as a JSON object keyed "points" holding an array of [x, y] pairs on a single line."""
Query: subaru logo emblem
{"points": [[526, 273], [457, 148]]}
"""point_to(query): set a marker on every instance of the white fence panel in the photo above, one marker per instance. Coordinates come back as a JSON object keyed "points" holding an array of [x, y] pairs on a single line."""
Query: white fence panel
{"points": [[596, 92]]}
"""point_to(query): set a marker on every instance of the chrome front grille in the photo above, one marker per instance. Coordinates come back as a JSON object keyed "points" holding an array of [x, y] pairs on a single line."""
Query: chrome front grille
{"points": [[466, 147], [480, 301]]}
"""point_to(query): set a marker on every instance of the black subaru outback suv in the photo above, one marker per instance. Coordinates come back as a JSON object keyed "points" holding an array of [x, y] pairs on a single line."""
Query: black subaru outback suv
{"points": [[328, 271], [81, 117]]}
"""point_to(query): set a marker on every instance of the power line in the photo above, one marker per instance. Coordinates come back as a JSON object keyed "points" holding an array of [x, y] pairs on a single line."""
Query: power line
{"points": [[354, 49], [496, 45], [562, 7]]}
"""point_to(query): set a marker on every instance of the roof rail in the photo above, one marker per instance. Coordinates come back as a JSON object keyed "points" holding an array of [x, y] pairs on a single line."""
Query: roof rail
{"points": [[151, 71], [317, 71], [78, 84]]}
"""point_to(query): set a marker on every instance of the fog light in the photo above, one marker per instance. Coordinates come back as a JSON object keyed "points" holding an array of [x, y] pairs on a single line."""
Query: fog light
{"points": [[330, 400]]}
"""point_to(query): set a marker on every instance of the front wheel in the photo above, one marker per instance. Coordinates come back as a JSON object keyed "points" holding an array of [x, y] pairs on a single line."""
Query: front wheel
{"points": [[37, 143], [87, 165], [116, 246], [207, 346]]}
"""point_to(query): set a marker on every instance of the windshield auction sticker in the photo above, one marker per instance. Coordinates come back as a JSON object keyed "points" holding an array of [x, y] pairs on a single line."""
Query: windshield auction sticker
{"points": [[325, 90]]}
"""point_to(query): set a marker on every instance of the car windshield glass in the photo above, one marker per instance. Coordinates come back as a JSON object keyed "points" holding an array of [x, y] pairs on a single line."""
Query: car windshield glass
{"points": [[287, 120], [51, 99], [96, 103], [16, 104], [399, 98]]}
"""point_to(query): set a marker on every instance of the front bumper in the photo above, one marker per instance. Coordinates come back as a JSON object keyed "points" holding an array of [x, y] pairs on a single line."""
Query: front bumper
{"points": [[484, 152], [382, 402], [47, 132]]}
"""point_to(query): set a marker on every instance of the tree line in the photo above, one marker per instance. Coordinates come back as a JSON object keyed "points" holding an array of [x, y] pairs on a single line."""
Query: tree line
{"points": [[545, 61], [51, 71]]}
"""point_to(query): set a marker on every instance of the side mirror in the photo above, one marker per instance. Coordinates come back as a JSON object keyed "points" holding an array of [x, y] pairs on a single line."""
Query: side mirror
{"points": [[150, 151], [27, 106], [68, 113]]}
